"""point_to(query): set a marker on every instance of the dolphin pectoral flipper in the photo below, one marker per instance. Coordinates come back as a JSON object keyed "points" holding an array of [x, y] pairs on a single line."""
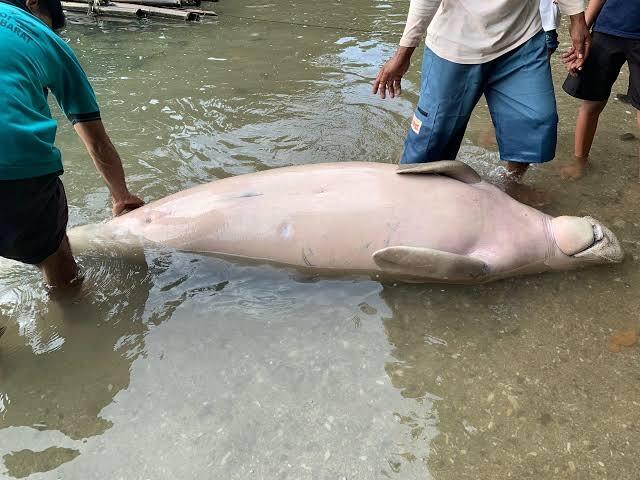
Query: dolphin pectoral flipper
{"points": [[450, 168], [430, 263]]}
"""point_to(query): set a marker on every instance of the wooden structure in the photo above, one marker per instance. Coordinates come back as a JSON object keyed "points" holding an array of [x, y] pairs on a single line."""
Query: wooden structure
{"points": [[178, 9]]}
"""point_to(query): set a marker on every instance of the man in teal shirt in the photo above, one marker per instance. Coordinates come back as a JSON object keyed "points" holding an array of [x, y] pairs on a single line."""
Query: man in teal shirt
{"points": [[34, 61]]}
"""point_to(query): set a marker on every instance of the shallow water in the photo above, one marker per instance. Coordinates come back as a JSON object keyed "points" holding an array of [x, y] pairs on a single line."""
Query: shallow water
{"points": [[186, 366]]}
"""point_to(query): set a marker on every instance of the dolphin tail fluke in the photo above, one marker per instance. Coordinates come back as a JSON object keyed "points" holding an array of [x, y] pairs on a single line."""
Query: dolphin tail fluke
{"points": [[449, 168], [430, 263], [107, 241]]}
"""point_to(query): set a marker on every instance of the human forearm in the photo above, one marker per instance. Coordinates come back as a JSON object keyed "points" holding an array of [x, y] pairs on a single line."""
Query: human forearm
{"points": [[104, 155], [404, 53], [107, 161], [575, 57], [593, 10], [421, 12]]}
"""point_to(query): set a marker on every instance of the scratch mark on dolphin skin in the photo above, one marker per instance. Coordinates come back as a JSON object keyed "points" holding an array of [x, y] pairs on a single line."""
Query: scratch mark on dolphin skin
{"points": [[285, 230], [305, 259], [393, 226], [250, 194]]}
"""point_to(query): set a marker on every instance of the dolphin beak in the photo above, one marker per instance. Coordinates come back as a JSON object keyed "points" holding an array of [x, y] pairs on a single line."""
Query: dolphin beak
{"points": [[606, 247]]}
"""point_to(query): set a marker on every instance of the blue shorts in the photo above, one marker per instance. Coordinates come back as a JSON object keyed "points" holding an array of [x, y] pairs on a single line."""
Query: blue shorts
{"points": [[519, 90]]}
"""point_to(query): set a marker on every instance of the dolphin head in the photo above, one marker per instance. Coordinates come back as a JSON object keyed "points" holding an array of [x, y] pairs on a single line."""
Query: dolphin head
{"points": [[606, 247], [586, 241]]}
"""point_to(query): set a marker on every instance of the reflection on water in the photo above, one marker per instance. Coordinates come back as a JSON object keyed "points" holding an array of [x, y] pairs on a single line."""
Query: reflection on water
{"points": [[186, 366], [236, 370]]}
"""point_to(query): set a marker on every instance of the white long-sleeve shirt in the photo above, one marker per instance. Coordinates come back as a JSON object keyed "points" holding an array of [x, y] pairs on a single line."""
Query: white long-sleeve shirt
{"points": [[476, 31], [549, 14]]}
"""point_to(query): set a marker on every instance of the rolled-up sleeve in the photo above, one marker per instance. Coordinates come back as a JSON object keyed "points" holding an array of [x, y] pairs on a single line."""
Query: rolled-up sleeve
{"points": [[571, 7], [421, 12]]}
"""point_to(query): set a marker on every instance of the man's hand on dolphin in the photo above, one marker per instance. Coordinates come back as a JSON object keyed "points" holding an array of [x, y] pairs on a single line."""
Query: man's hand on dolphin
{"points": [[390, 75], [125, 204]]}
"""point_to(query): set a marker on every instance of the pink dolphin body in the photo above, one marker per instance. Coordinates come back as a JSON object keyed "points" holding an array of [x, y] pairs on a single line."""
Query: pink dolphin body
{"points": [[435, 222]]}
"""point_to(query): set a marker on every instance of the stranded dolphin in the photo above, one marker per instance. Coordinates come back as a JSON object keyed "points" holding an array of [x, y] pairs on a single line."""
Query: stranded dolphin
{"points": [[433, 222]]}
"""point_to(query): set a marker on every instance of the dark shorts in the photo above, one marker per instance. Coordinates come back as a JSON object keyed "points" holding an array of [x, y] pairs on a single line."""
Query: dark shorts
{"points": [[519, 90], [602, 67], [33, 218]]}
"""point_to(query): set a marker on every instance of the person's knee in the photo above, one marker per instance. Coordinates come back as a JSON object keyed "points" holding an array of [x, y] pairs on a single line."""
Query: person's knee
{"points": [[592, 109], [546, 117]]}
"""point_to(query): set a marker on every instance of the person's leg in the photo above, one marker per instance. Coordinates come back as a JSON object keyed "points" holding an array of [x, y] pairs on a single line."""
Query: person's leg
{"points": [[517, 170], [521, 99], [586, 126], [488, 136], [448, 94], [60, 269], [33, 227], [592, 85], [633, 58]]}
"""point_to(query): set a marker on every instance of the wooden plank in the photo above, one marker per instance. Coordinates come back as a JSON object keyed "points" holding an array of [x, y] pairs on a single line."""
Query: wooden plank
{"points": [[118, 9], [114, 11], [155, 3], [163, 12], [204, 13]]}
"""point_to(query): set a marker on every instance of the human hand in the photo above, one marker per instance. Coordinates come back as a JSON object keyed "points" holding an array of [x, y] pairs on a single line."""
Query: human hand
{"points": [[125, 203], [568, 58], [575, 57], [390, 75]]}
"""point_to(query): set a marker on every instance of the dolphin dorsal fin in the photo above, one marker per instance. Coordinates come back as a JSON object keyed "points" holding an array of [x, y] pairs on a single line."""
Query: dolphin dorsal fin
{"points": [[430, 263], [450, 168]]}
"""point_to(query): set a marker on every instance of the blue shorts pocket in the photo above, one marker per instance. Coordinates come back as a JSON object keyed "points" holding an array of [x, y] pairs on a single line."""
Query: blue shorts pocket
{"points": [[416, 145]]}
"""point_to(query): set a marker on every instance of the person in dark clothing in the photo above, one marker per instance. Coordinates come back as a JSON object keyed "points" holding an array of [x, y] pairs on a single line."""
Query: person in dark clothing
{"points": [[616, 40]]}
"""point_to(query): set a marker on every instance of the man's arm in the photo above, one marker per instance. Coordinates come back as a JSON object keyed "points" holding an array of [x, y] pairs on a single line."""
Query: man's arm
{"points": [[67, 80], [421, 12], [108, 163], [593, 10]]}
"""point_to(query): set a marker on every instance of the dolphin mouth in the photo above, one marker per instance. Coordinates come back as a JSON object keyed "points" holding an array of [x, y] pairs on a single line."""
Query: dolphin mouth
{"points": [[606, 247]]}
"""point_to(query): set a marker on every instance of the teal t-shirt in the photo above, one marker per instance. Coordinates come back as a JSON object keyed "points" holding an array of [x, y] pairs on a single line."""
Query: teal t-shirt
{"points": [[33, 61]]}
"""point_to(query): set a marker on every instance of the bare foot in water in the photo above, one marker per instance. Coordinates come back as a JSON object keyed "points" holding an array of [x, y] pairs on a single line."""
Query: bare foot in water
{"points": [[527, 195], [574, 169]]}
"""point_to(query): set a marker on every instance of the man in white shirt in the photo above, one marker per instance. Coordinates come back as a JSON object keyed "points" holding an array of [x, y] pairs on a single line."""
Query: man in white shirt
{"points": [[491, 47]]}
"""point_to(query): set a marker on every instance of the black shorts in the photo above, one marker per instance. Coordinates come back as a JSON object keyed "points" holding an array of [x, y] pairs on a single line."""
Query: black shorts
{"points": [[33, 218], [602, 67]]}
